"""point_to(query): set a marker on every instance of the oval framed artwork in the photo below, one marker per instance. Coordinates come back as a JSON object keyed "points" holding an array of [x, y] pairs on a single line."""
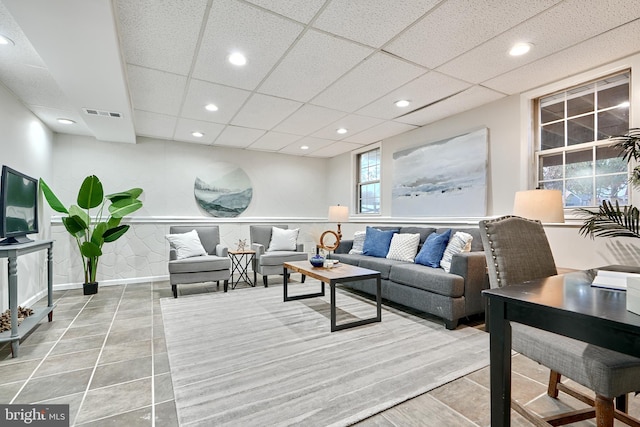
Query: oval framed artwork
{"points": [[224, 191]]}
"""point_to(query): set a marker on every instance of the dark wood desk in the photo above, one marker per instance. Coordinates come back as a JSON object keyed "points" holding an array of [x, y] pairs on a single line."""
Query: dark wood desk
{"points": [[566, 304]]}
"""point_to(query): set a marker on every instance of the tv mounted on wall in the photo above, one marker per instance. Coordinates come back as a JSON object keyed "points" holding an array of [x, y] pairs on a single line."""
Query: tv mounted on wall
{"points": [[18, 206]]}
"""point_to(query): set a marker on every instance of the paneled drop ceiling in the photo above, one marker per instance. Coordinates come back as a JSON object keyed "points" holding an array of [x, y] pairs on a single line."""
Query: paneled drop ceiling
{"points": [[313, 66]]}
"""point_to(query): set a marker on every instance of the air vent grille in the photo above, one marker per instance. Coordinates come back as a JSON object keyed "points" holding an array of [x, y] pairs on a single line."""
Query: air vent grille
{"points": [[103, 113]]}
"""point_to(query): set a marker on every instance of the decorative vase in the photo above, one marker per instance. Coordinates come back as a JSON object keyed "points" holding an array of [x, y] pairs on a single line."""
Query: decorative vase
{"points": [[317, 260], [90, 288]]}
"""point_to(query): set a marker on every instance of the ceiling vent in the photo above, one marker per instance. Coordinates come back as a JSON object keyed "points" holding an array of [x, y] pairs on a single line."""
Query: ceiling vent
{"points": [[102, 113]]}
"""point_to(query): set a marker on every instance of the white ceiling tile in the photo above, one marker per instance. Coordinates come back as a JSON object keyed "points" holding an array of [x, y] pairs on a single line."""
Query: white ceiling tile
{"points": [[144, 84], [613, 45], [335, 149], [274, 141], [234, 136], [227, 99], [312, 65], [382, 131], [185, 127], [264, 112], [459, 25], [371, 79], [371, 23], [313, 144], [235, 26], [422, 91], [35, 86], [308, 119], [353, 123], [302, 11], [160, 35], [548, 32], [154, 125], [467, 100], [22, 52]]}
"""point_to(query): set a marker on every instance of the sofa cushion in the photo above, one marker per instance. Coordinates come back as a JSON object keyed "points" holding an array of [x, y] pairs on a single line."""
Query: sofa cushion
{"points": [[476, 243], [199, 264], [458, 243], [433, 249], [279, 257], [186, 245], [427, 278], [383, 265], [404, 247], [376, 242], [358, 243], [283, 239]]}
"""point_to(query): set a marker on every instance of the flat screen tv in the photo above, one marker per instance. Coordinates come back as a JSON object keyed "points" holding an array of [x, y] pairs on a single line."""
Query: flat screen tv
{"points": [[18, 206]]}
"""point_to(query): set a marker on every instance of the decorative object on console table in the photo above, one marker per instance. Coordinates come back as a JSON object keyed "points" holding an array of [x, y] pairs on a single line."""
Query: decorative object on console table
{"points": [[91, 234], [317, 260], [242, 243]]}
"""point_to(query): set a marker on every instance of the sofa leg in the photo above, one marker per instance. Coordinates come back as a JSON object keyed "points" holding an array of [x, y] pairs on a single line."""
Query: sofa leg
{"points": [[264, 281], [225, 286], [174, 288], [303, 277], [451, 324]]}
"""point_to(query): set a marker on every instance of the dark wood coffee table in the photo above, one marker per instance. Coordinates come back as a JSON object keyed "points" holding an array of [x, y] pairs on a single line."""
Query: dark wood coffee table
{"points": [[341, 273]]}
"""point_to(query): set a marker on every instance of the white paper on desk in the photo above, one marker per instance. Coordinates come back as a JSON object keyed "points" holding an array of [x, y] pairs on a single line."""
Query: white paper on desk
{"points": [[613, 279]]}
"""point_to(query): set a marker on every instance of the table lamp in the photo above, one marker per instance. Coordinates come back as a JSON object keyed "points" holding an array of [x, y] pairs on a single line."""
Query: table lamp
{"points": [[543, 205], [338, 214]]}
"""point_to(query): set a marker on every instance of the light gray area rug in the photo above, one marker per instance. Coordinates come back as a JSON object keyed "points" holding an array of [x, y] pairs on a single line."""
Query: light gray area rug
{"points": [[246, 358]]}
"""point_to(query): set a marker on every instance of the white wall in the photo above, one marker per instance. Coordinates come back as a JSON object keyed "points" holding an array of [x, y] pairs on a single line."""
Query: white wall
{"points": [[25, 145], [286, 189]]}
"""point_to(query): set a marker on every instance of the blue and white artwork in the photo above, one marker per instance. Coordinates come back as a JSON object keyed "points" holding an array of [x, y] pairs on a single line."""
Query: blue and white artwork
{"points": [[442, 179], [224, 192]]}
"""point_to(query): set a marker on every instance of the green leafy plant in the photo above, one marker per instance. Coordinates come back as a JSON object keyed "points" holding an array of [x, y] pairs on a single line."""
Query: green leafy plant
{"points": [[91, 234], [610, 220]]}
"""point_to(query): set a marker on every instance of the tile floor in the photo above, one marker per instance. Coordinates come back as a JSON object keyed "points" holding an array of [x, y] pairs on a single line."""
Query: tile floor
{"points": [[105, 356]]}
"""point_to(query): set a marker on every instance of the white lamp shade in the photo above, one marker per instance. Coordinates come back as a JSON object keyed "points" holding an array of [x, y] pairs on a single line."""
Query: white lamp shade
{"points": [[338, 213], [543, 205]]}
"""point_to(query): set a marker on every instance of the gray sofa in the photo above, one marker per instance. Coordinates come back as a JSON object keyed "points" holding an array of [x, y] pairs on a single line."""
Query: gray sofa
{"points": [[451, 296]]}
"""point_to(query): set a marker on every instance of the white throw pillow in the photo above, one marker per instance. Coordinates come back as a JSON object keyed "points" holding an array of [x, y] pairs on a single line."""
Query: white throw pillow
{"points": [[358, 243], [404, 247], [459, 242], [283, 239], [186, 245]]}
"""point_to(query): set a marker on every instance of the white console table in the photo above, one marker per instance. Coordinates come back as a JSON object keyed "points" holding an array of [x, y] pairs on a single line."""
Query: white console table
{"points": [[12, 252]]}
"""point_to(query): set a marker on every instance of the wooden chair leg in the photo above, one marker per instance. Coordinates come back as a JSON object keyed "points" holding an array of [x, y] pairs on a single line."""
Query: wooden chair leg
{"points": [[554, 379], [604, 411]]}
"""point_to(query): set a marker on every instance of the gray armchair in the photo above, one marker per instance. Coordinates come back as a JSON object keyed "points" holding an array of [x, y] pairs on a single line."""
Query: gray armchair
{"points": [[213, 267], [517, 251], [270, 262]]}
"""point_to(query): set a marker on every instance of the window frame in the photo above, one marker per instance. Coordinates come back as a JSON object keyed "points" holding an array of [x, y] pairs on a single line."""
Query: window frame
{"points": [[359, 183], [567, 148]]}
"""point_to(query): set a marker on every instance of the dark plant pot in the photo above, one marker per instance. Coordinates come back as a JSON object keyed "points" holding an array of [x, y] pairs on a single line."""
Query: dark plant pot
{"points": [[90, 288]]}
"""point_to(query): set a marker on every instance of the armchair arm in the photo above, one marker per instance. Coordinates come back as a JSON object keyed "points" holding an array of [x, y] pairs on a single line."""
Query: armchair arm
{"points": [[472, 266], [173, 255], [299, 247], [221, 250], [258, 248]]}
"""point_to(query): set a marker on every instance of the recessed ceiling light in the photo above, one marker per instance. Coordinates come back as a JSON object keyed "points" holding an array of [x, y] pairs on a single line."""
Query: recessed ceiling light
{"points": [[211, 107], [520, 49], [237, 58], [342, 131], [402, 103], [65, 121], [4, 40], [304, 147], [197, 134]]}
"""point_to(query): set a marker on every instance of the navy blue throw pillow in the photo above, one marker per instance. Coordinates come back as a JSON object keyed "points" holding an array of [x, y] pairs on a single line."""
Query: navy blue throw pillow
{"points": [[377, 242], [433, 249]]}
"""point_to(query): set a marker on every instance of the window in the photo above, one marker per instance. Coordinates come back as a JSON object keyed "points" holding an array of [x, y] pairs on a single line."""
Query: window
{"points": [[573, 153], [368, 185]]}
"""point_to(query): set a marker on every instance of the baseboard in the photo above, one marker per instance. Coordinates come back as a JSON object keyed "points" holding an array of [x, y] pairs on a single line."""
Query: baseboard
{"points": [[112, 282]]}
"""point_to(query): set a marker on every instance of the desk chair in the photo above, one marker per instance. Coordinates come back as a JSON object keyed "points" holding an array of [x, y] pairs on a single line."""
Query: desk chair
{"points": [[270, 262], [213, 267], [517, 251]]}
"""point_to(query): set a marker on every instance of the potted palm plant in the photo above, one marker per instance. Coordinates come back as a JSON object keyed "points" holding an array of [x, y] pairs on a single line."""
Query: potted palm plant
{"points": [[611, 220], [90, 233]]}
